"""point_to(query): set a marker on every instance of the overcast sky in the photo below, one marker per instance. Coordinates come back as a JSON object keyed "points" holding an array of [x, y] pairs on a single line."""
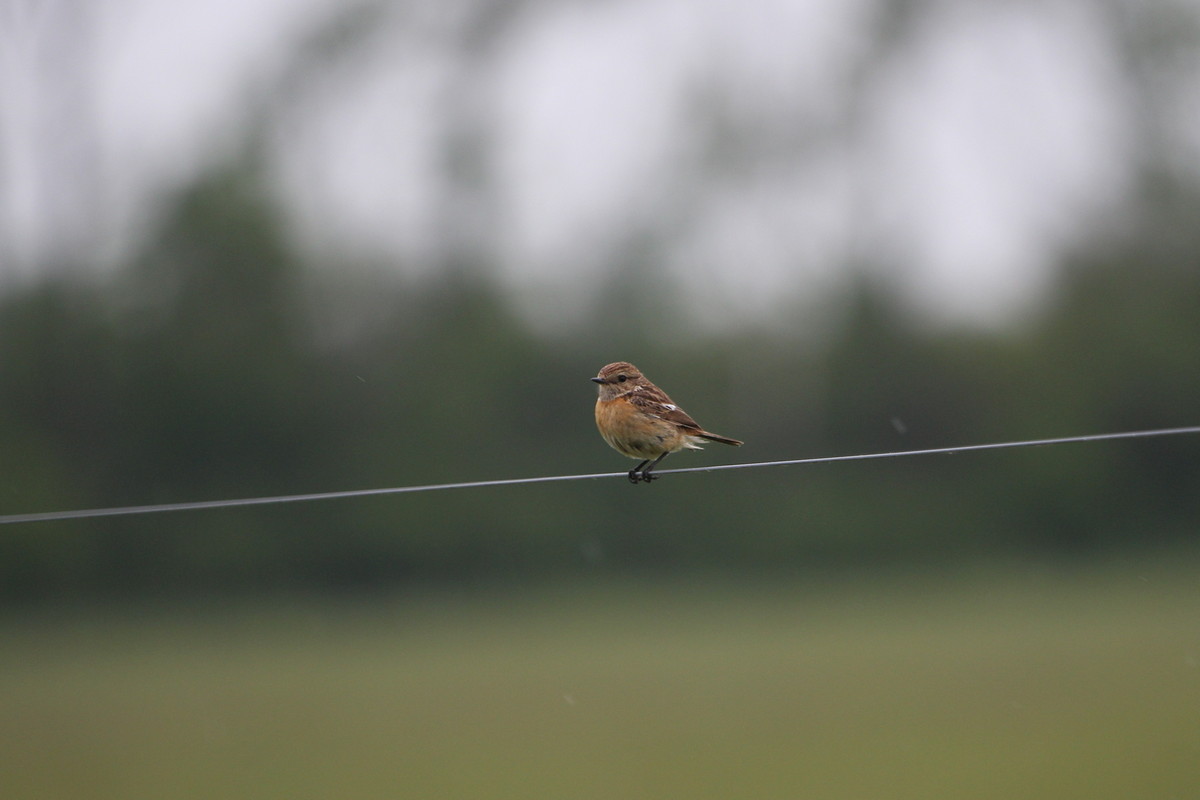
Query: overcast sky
{"points": [[773, 140]]}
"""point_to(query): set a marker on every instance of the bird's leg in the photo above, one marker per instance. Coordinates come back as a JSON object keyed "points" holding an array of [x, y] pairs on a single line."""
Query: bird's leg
{"points": [[634, 477], [646, 476]]}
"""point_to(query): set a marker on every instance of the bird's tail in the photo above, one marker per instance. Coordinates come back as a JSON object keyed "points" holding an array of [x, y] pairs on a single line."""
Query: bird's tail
{"points": [[714, 437]]}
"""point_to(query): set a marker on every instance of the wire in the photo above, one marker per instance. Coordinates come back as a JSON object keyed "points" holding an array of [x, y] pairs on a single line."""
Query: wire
{"points": [[49, 516]]}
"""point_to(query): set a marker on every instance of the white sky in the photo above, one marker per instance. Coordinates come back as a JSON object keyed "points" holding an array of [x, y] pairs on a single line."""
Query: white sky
{"points": [[1000, 133]]}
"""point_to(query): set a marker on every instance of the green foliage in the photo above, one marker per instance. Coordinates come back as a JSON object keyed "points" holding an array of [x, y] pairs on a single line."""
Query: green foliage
{"points": [[217, 365]]}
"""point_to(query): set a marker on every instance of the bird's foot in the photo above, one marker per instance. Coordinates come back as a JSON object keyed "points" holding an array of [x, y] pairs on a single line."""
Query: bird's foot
{"points": [[636, 476]]}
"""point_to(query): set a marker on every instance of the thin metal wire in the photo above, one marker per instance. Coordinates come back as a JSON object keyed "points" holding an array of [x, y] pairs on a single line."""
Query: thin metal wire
{"points": [[50, 516]]}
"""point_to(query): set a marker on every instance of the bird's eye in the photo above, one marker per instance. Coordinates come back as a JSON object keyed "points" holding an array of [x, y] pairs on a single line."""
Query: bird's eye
{"points": [[622, 378]]}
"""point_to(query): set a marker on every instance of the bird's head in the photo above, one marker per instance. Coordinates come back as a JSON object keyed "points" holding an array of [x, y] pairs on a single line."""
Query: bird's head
{"points": [[617, 378]]}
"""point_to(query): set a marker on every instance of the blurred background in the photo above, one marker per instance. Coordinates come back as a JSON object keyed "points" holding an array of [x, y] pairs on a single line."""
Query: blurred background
{"points": [[269, 247]]}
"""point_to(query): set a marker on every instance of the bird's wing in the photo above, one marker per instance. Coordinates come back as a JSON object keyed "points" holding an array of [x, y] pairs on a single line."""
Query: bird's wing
{"points": [[654, 401]]}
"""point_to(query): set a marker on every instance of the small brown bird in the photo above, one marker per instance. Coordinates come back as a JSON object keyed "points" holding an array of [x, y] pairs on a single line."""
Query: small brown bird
{"points": [[638, 420]]}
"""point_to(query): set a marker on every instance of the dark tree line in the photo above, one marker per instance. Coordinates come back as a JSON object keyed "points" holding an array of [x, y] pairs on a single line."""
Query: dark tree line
{"points": [[219, 365]]}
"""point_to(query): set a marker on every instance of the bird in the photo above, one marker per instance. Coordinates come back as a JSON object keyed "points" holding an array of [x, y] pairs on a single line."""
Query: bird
{"points": [[639, 420]]}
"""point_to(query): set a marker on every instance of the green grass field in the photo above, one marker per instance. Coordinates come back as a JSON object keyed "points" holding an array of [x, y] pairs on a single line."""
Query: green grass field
{"points": [[989, 686]]}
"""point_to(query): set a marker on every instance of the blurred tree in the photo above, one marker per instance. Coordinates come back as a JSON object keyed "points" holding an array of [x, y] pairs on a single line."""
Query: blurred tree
{"points": [[217, 365]]}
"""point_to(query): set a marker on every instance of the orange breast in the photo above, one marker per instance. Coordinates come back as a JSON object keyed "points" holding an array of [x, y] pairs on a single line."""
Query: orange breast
{"points": [[633, 433]]}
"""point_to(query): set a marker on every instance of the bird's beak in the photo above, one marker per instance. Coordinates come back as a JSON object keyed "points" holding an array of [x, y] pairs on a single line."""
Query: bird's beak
{"points": [[598, 380]]}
